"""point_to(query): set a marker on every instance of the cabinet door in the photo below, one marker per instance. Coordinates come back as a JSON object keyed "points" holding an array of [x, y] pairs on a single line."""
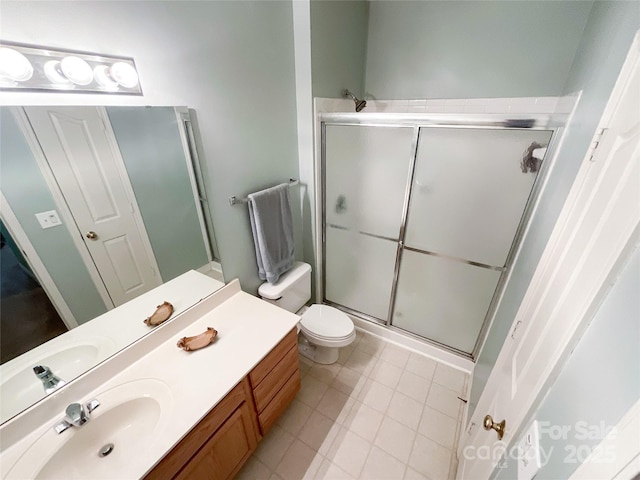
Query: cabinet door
{"points": [[226, 451]]}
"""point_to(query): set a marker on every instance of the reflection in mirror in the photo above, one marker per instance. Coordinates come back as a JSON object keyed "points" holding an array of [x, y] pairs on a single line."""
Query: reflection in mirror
{"points": [[100, 207]]}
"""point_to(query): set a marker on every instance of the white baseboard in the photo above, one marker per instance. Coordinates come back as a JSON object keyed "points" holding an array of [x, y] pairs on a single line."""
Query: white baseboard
{"points": [[414, 344]]}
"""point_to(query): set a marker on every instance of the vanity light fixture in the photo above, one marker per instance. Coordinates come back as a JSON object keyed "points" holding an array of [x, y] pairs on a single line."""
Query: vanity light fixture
{"points": [[33, 68]]}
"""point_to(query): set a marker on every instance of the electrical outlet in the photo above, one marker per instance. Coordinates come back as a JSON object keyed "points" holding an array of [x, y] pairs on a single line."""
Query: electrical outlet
{"points": [[529, 453], [48, 219]]}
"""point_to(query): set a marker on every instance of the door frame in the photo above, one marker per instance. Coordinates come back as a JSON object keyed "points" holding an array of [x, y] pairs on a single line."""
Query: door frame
{"points": [[63, 209], [596, 196], [35, 263]]}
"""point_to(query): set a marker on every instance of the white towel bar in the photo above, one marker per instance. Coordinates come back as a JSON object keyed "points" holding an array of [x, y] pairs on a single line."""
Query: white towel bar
{"points": [[233, 200]]}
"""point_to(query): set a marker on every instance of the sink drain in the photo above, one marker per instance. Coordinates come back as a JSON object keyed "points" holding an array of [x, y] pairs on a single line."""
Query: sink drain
{"points": [[106, 450]]}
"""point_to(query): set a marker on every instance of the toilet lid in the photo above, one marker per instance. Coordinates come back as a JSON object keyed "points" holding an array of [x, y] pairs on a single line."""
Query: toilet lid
{"points": [[325, 321]]}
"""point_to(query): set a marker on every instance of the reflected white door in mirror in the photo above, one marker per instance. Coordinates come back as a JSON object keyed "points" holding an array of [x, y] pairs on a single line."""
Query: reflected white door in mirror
{"points": [[83, 158]]}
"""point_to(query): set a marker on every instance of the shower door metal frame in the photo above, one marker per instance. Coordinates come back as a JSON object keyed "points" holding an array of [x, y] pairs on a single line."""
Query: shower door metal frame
{"points": [[553, 123]]}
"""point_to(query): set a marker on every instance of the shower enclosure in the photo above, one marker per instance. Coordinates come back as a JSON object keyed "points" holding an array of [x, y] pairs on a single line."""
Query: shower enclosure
{"points": [[421, 218]]}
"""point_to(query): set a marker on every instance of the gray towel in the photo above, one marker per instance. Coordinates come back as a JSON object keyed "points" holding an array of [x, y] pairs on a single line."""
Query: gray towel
{"points": [[272, 227]]}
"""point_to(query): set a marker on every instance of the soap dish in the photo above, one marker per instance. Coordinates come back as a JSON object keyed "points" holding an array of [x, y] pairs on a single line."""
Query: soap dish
{"points": [[162, 313], [199, 341]]}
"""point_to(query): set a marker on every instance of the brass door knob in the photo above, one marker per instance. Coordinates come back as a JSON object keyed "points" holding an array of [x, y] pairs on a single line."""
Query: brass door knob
{"points": [[92, 235], [498, 427]]}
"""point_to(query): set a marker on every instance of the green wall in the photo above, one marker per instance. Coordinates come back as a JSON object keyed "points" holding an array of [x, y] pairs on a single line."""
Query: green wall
{"points": [[469, 49], [232, 62], [603, 49], [27, 193], [149, 140], [338, 46]]}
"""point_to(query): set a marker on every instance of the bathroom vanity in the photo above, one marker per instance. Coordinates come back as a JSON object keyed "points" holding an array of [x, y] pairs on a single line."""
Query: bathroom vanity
{"points": [[164, 412], [219, 445]]}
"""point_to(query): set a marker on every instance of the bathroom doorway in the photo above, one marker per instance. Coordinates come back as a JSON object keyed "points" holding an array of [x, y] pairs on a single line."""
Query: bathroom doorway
{"points": [[27, 316]]}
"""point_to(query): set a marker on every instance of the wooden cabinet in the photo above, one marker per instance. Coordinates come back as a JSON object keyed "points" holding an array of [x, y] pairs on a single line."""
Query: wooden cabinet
{"points": [[218, 446], [276, 381]]}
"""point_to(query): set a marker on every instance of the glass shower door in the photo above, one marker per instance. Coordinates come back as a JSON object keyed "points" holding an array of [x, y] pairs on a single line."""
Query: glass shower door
{"points": [[468, 196], [367, 174]]}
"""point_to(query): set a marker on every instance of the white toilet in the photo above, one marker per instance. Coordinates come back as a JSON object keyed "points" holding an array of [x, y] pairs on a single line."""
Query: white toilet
{"points": [[323, 329]]}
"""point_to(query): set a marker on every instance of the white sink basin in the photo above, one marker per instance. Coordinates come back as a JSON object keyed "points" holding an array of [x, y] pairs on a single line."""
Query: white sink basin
{"points": [[130, 417], [20, 388]]}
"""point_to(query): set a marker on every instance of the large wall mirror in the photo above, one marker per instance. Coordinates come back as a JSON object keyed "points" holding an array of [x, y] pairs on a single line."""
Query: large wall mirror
{"points": [[101, 207]]}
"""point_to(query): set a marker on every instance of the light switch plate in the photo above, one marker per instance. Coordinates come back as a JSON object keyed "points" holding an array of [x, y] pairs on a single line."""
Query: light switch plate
{"points": [[48, 219], [529, 453]]}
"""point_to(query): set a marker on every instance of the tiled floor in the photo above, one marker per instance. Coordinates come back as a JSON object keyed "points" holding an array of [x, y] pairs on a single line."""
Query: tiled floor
{"points": [[381, 412]]}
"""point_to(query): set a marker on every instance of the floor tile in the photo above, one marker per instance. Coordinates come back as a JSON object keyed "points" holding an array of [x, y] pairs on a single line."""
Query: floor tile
{"points": [[335, 405], [395, 439], [375, 395], [254, 469], [299, 462], [380, 412], [395, 355], [330, 471], [411, 474], [325, 373], [311, 391], [316, 433], [429, 458], [438, 427], [405, 410], [414, 386], [444, 400], [386, 373], [295, 416], [371, 344], [364, 420], [349, 381], [344, 354], [450, 377], [382, 466], [361, 362], [349, 451], [273, 447], [421, 365]]}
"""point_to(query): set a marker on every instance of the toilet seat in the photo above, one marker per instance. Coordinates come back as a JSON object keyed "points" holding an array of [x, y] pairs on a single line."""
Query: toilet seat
{"points": [[327, 326]]}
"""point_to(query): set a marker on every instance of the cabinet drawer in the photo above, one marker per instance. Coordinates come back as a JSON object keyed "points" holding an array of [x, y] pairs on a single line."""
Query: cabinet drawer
{"points": [[275, 379], [273, 357], [279, 403]]}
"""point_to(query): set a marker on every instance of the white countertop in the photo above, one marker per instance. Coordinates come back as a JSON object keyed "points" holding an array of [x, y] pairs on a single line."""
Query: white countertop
{"points": [[248, 328], [94, 341]]}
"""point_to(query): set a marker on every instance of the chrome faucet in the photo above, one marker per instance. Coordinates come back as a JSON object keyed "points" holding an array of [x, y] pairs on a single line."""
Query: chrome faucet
{"points": [[49, 381], [76, 415]]}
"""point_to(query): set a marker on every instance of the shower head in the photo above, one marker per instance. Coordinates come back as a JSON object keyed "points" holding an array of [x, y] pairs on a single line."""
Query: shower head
{"points": [[360, 104]]}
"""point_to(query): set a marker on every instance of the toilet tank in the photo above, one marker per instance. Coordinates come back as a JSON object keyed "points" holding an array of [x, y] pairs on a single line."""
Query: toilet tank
{"points": [[292, 290]]}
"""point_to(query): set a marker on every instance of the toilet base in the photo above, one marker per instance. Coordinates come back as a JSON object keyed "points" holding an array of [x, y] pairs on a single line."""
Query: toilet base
{"points": [[316, 353]]}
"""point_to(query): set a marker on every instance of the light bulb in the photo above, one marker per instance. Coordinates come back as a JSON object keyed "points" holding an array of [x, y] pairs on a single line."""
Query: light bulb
{"points": [[54, 73], [101, 72], [124, 74], [76, 70], [14, 65]]}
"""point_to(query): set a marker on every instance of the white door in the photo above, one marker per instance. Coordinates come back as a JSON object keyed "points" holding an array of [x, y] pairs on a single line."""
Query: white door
{"points": [[80, 151], [600, 220]]}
